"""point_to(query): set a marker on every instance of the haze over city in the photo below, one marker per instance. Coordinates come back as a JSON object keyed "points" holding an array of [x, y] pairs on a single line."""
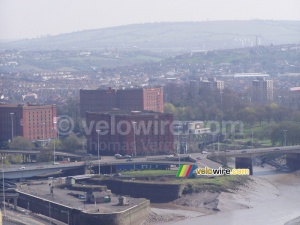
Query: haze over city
{"points": [[35, 18], [148, 112]]}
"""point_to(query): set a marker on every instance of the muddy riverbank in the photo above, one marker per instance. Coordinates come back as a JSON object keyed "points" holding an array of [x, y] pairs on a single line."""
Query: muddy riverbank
{"points": [[270, 198]]}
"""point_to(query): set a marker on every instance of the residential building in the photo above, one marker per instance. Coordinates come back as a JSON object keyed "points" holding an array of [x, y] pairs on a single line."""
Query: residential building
{"points": [[133, 133], [127, 99], [211, 83], [262, 90], [31, 121], [294, 98]]}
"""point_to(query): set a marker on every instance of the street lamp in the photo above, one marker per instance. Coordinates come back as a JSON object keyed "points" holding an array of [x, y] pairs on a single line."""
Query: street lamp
{"points": [[178, 147], [49, 213], [43, 144], [221, 109], [284, 131], [3, 189], [54, 147], [12, 125], [68, 215], [98, 132], [218, 143], [54, 126], [252, 139], [134, 123]]}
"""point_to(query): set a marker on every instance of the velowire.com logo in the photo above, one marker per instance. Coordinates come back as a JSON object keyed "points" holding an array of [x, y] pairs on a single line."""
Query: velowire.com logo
{"points": [[189, 170]]}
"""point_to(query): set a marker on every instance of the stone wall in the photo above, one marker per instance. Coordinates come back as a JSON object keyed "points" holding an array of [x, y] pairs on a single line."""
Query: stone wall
{"points": [[293, 161], [153, 191], [134, 216]]}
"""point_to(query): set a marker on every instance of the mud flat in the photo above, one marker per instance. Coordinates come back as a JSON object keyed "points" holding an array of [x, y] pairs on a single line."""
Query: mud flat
{"points": [[270, 198]]}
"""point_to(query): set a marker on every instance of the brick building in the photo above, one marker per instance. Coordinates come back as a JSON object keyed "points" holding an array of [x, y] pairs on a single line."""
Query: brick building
{"points": [[33, 122], [123, 132], [127, 99]]}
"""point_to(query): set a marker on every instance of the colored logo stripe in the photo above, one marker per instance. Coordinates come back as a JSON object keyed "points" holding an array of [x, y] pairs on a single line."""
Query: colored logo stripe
{"points": [[186, 170]]}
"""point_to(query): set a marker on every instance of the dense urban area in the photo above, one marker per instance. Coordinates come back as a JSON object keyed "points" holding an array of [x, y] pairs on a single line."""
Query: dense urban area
{"points": [[118, 132]]}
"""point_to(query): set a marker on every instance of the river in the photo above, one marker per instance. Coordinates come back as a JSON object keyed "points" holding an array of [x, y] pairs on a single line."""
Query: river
{"points": [[276, 208]]}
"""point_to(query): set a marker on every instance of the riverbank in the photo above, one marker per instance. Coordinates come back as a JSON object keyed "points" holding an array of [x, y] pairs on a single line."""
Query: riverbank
{"points": [[270, 198]]}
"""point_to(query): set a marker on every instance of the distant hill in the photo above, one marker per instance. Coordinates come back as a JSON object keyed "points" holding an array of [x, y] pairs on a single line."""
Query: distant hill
{"points": [[171, 36]]}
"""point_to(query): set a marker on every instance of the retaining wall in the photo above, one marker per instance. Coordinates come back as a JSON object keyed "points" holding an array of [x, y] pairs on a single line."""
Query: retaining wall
{"points": [[153, 191], [133, 216]]}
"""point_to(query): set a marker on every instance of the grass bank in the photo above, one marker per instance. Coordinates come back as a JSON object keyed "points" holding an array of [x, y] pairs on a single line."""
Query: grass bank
{"points": [[193, 185], [213, 184], [150, 173]]}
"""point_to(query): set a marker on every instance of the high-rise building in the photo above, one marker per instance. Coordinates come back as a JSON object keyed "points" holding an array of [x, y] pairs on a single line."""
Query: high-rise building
{"points": [[262, 90], [33, 122], [212, 83], [134, 133], [294, 98], [127, 99]]}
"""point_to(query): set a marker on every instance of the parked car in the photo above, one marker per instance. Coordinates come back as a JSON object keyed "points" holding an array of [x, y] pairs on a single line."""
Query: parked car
{"points": [[22, 168], [244, 151], [276, 149]]}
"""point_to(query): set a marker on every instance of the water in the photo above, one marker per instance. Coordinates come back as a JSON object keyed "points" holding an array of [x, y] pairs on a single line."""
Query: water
{"points": [[276, 211]]}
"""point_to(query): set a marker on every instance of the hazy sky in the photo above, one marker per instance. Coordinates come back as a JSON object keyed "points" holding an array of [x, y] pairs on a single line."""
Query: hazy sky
{"points": [[33, 18]]}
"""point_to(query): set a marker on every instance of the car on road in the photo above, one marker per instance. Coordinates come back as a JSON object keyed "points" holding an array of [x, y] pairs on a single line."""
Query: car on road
{"points": [[204, 152], [276, 149], [244, 151], [22, 168], [118, 156], [90, 155], [128, 160], [117, 175], [127, 156], [227, 150], [56, 163], [199, 158]]}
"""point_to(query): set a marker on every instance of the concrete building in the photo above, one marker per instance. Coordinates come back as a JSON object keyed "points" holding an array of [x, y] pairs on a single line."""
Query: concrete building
{"points": [[294, 98], [211, 83], [33, 122], [262, 90], [127, 99], [191, 135], [132, 133]]}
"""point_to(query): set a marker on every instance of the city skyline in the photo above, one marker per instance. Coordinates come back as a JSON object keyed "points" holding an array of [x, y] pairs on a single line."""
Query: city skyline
{"points": [[36, 18]]}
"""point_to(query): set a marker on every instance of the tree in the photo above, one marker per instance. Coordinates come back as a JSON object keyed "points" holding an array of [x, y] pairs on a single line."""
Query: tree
{"points": [[45, 156], [260, 113], [20, 143], [15, 159], [71, 143], [169, 108], [292, 134], [58, 144]]}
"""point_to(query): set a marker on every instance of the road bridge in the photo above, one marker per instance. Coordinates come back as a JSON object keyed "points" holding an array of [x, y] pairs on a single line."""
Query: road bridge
{"points": [[244, 157], [31, 155], [17, 172]]}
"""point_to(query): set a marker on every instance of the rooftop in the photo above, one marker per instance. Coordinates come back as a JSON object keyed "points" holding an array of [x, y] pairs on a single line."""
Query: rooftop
{"points": [[295, 89], [74, 199]]}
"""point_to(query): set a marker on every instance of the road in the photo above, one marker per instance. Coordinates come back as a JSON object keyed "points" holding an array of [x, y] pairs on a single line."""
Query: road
{"points": [[22, 215]]}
